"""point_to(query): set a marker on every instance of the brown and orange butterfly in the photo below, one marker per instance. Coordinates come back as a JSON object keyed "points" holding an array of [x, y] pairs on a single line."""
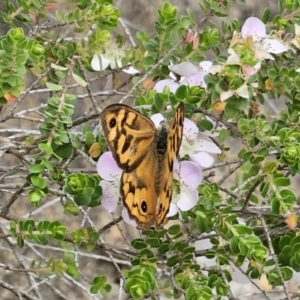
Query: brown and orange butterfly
{"points": [[146, 156]]}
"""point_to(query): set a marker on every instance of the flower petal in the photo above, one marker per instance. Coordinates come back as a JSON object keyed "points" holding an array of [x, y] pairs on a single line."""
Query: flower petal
{"points": [[185, 68], [254, 27], [190, 134], [95, 63], [110, 195], [131, 70], [243, 91], [161, 84], [203, 159], [195, 80], [225, 95], [275, 46], [188, 199], [215, 69], [99, 63], [190, 174], [190, 129], [215, 131], [157, 119], [263, 54], [205, 65], [207, 146], [119, 63], [127, 219], [297, 29], [233, 58], [107, 167], [173, 210], [249, 71]]}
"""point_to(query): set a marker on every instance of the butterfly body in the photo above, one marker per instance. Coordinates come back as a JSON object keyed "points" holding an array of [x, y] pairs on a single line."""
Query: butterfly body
{"points": [[146, 156]]}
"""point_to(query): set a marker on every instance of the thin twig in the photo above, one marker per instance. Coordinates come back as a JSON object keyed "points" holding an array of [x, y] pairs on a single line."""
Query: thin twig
{"points": [[272, 252], [4, 211]]}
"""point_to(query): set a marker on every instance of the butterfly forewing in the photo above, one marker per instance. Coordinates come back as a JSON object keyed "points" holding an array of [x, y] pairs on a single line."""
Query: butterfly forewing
{"points": [[128, 133], [174, 138]]}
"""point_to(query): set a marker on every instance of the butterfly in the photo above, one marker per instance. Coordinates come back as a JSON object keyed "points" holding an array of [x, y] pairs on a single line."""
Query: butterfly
{"points": [[146, 155]]}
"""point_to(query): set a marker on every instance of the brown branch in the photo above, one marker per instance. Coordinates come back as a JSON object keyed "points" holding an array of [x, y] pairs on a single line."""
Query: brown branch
{"points": [[272, 252], [4, 211], [110, 224]]}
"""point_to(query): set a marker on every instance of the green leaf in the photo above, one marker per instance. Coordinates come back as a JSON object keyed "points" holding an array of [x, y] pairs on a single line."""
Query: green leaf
{"points": [[84, 197], [266, 15], [234, 245], [38, 181], [242, 229], [174, 229], [253, 171], [138, 244], [223, 135], [189, 250], [47, 164], [46, 148], [284, 241], [86, 128], [20, 242], [205, 124], [223, 260], [275, 206], [200, 224], [191, 15], [35, 197], [89, 138], [153, 242], [282, 181], [287, 273], [158, 102], [79, 80], [57, 67], [172, 260], [181, 92], [252, 240], [163, 248], [36, 168], [53, 87]]}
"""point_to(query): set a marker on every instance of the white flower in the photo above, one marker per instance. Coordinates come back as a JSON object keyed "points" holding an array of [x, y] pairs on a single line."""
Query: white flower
{"points": [[112, 57], [161, 84], [296, 40], [255, 28], [101, 62], [191, 75], [189, 176], [197, 149], [108, 169]]}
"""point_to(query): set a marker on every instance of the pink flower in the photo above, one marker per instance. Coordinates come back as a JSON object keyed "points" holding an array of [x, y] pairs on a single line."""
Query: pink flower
{"points": [[109, 171], [197, 149], [191, 75], [189, 176], [248, 49], [256, 29], [170, 83]]}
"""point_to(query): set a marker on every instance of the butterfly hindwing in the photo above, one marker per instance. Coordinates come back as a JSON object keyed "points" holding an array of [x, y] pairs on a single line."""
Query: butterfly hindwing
{"points": [[138, 191], [174, 138]]}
